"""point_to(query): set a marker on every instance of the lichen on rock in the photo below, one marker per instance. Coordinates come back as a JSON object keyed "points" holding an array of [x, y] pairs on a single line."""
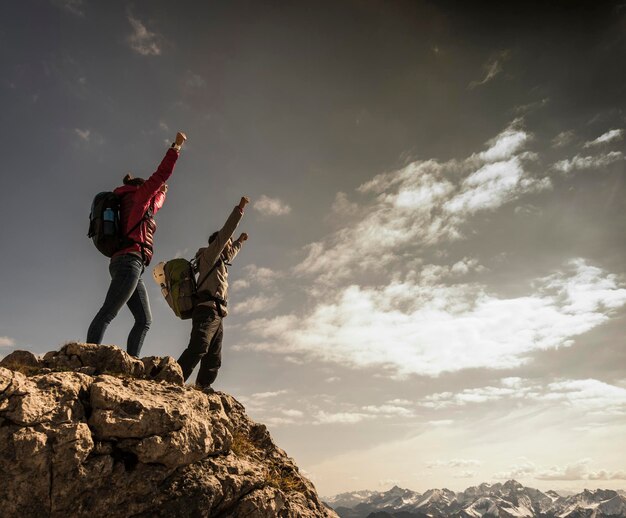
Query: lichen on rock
{"points": [[91, 431]]}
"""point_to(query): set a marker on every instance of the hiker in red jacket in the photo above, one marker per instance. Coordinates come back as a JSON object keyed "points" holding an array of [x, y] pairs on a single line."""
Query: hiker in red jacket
{"points": [[140, 201]]}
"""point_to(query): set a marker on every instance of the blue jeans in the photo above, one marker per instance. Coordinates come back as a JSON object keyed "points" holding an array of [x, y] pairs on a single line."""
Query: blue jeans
{"points": [[128, 288]]}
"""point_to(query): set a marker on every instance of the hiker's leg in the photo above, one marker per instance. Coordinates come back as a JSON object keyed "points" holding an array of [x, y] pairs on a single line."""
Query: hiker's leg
{"points": [[212, 360], [139, 306], [125, 271], [205, 323]]}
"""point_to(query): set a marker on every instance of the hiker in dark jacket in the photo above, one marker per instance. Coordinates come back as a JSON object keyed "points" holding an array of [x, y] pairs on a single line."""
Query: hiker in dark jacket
{"points": [[205, 343], [140, 201]]}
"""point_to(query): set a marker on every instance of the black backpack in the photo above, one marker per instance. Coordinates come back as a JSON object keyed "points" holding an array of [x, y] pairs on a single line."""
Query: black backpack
{"points": [[105, 226], [104, 223]]}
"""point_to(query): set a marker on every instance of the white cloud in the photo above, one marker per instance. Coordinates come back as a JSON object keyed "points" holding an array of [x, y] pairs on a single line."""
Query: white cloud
{"points": [[260, 275], [271, 206], [610, 136], [142, 40], [589, 396], [579, 470], [240, 284], [6, 341], [588, 162], [424, 204], [256, 304], [492, 67], [340, 417], [574, 471], [408, 327], [389, 410]]}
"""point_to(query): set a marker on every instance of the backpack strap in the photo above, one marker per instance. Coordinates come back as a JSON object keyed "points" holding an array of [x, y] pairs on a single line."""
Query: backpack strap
{"points": [[147, 215], [217, 263]]}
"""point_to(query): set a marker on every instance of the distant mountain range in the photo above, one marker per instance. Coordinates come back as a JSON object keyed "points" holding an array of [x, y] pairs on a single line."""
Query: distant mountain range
{"points": [[508, 500]]}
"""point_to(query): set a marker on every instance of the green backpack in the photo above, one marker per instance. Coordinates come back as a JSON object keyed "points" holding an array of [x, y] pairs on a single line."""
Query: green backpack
{"points": [[177, 280]]}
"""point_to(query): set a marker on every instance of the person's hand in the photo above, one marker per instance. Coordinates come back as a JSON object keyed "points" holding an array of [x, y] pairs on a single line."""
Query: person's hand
{"points": [[180, 138], [244, 201], [243, 237], [163, 188]]}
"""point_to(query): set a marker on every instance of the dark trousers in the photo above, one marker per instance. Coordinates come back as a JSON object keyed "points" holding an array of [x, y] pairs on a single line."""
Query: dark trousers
{"points": [[128, 288], [205, 346]]}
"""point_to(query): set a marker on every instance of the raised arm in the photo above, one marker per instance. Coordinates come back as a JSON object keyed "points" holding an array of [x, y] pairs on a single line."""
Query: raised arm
{"points": [[215, 248], [154, 184], [236, 247]]}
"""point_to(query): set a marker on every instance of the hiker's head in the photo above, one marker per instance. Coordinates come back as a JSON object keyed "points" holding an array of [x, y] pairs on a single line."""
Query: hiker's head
{"points": [[129, 179]]}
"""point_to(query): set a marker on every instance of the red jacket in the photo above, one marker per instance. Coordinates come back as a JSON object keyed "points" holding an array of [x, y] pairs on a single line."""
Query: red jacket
{"points": [[135, 202]]}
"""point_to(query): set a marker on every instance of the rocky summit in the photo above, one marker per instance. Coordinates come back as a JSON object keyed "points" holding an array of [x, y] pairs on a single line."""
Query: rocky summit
{"points": [[91, 431]]}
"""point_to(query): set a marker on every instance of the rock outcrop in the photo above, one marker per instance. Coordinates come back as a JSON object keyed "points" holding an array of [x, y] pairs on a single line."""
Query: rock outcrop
{"points": [[91, 431]]}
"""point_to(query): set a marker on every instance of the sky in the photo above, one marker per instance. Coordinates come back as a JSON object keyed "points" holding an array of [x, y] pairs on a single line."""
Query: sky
{"points": [[434, 289]]}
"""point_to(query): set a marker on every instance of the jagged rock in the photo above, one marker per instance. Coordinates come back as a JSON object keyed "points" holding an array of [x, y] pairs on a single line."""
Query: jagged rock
{"points": [[163, 369], [103, 359], [86, 443], [20, 358]]}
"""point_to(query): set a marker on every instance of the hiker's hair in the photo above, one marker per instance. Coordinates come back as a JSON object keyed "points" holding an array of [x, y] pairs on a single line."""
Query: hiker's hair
{"points": [[130, 180], [213, 236]]}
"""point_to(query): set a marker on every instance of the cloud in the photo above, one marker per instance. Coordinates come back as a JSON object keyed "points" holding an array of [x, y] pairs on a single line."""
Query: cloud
{"points": [[588, 162], [523, 469], [492, 67], [83, 134], [256, 304], [389, 410], [323, 417], [240, 284], [260, 275], [6, 341], [271, 206], [375, 303], [563, 139], [411, 327], [342, 206], [589, 396], [193, 80], [265, 395], [76, 7], [453, 463], [528, 210], [424, 204], [142, 40], [610, 136], [579, 471]]}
